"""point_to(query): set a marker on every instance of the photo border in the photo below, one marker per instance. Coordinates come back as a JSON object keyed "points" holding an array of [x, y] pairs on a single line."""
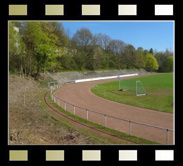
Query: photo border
{"points": [[73, 153]]}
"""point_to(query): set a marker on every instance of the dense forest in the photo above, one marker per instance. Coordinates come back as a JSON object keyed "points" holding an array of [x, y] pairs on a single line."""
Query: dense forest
{"points": [[36, 47]]}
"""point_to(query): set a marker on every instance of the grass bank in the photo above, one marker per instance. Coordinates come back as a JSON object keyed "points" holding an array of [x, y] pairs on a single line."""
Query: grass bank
{"points": [[29, 124]]}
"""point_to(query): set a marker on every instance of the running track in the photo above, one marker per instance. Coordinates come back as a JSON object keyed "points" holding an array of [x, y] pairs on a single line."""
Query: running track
{"points": [[80, 95]]}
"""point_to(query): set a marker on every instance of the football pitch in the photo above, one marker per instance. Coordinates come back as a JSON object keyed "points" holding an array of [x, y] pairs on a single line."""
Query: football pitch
{"points": [[159, 89]]}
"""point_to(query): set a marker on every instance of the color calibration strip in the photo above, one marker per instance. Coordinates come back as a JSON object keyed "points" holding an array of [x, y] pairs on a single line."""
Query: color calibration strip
{"points": [[54, 10], [163, 10], [127, 155], [17, 10], [91, 155], [54, 155], [18, 155], [164, 155], [90, 10], [127, 10]]}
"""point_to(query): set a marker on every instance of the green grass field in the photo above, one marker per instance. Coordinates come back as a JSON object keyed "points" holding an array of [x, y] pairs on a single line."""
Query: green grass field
{"points": [[159, 89]]}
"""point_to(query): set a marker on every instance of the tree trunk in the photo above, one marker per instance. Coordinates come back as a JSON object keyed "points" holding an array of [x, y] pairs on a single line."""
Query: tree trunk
{"points": [[37, 69], [21, 71], [30, 72], [44, 69], [37, 73]]}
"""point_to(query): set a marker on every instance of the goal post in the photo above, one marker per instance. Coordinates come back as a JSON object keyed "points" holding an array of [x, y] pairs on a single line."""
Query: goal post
{"points": [[127, 85], [133, 86], [140, 90]]}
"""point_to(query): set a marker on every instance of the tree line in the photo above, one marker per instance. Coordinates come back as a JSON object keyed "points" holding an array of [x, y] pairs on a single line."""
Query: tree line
{"points": [[36, 47]]}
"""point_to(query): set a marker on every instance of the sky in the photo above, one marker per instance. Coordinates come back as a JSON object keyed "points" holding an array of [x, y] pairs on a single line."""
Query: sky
{"points": [[158, 35]]}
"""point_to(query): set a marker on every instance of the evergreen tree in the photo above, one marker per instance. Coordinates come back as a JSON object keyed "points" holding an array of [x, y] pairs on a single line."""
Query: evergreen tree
{"points": [[151, 51]]}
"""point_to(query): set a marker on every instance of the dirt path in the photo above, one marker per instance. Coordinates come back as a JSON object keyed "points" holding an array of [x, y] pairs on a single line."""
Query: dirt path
{"points": [[80, 95]]}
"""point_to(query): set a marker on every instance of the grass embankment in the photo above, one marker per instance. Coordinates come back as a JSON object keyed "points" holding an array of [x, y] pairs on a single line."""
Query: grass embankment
{"points": [[159, 90], [29, 124]]}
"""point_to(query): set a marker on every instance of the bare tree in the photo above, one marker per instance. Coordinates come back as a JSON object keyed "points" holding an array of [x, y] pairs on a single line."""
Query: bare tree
{"points": [[83, 37], [116, 46], [102, 40]]}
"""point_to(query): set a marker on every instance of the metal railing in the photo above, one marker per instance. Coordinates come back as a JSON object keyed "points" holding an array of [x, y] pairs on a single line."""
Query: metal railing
{"points": [[106, 116]]}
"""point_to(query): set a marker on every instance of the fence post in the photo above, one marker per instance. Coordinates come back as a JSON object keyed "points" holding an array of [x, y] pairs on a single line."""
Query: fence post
{"points": [[167, 136], [65, 105], [105, 120], [130, 127], [74, 109], [24, 96], [86, 114]]}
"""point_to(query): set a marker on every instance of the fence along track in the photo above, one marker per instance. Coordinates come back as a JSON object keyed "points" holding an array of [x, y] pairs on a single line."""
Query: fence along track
{"points": [[130, 122], [84, 125]]}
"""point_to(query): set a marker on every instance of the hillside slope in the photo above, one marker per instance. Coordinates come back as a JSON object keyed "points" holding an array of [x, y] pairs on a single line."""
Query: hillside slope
{"points": [[29, 124]]}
